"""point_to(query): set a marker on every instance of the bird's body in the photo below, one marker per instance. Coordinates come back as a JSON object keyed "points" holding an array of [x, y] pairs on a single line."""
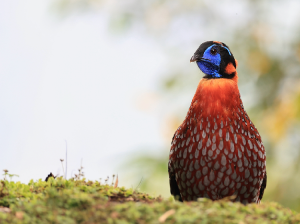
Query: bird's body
{"points": [[217, 151]]}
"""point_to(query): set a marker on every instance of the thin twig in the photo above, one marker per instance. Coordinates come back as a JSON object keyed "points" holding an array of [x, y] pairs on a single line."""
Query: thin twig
{"points": [[138, 184], [117, 181], [62, 165], [163, 218]]}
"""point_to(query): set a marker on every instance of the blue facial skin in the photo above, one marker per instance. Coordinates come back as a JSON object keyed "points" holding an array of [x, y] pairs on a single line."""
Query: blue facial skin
{"points": [[209, 69], [210, 63]]}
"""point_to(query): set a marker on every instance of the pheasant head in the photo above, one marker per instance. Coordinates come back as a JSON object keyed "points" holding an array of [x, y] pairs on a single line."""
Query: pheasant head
{"points": [[215, 60]]}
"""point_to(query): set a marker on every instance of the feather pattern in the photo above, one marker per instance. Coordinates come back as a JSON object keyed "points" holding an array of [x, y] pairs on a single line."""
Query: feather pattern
{"points": [[217, 151]]}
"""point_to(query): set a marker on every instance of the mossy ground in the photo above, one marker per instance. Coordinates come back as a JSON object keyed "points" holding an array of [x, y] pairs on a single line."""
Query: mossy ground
{"points": [[70, 201]]}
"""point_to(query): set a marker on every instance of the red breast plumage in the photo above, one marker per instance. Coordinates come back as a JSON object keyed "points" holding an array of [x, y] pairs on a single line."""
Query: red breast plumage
{"points": [[217, 151]]}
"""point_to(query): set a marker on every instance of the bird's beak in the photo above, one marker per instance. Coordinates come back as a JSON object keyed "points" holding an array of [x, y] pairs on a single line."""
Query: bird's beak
{"points": [[197, 58], [194, 58]]}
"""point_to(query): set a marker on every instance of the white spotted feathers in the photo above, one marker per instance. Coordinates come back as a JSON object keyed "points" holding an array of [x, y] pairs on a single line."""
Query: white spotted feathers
{"points": [[226, 157]]}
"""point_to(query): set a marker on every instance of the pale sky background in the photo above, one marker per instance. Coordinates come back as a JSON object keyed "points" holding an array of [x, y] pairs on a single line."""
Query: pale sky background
{"points": [[71, 80]]}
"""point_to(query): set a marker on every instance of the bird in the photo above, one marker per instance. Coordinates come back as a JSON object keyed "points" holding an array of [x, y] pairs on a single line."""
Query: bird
{"points": [[217, 151]]}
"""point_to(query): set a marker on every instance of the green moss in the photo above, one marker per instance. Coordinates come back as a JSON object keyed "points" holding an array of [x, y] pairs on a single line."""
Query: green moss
{"points": [[69, 201]]}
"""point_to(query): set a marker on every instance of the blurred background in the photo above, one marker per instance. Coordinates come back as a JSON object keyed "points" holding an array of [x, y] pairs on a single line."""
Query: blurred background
{"points": [[111, 81]]}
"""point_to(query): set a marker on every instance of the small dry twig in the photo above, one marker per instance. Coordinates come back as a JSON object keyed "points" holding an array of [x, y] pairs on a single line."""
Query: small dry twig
{"points": [[138, 185], [80, 173], [106, 180], [164, 217], [113, 179], [5, 174], [117, 181], [62, 165]]}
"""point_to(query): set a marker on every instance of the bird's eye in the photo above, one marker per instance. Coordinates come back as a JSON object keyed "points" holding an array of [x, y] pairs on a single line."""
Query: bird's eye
{"points": [[213, 51]]}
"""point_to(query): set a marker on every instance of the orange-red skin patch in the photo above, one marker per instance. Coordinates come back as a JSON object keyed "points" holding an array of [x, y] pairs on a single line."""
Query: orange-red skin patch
{"points": [[218, 42], [230, 69]]}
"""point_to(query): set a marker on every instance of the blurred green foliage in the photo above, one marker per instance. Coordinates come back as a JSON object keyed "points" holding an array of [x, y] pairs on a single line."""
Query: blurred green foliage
{"points": [[264, 38], [81, 201]]}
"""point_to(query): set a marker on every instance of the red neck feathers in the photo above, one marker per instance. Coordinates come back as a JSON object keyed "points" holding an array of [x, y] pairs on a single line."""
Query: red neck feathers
{"points": [[215, 97]]}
